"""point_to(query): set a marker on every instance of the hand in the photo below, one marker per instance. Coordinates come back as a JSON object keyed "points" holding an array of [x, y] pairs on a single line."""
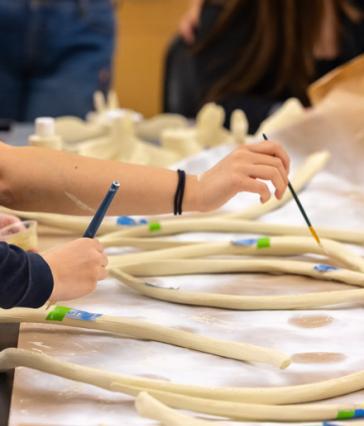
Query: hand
{"points": [[189, 22], [8, 219], [243, 170], [76, 267]]}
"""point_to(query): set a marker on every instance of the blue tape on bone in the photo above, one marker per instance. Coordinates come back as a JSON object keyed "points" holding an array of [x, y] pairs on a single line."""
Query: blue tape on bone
{"points": [[125, 221], [359, 413], [143, 222], [81, 315], [321, 267], [245, 242]]}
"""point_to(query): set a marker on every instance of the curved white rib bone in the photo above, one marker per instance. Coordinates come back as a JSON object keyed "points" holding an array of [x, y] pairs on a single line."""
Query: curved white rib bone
{"points": [[150, 407], [179, 226], [244, 411], [275, 246], [180, 395], [213, 266], [144, 330], [12, 358], [147, 406], [226, 301], [60, 221]]}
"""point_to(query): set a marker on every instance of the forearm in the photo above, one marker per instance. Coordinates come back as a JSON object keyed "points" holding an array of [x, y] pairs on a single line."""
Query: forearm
{"points": [[44, 180]]}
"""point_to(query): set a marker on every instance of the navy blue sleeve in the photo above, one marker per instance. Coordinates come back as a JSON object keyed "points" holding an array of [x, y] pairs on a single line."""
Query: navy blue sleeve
{"points": [[25, 278]]}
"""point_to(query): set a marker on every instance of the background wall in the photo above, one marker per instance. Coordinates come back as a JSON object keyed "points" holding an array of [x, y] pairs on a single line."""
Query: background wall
{"points": [[145, 29]]}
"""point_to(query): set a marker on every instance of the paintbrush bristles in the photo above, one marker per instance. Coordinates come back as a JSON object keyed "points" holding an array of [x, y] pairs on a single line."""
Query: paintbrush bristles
{"points": [[314, 234], [316, 237]]}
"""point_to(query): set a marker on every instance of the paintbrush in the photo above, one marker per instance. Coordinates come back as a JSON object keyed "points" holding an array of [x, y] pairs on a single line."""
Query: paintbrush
{"points": [[302, 210], [101, 211]]}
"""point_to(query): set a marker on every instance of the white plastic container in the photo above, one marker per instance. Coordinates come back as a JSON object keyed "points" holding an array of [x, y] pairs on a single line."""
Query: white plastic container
{"points": [[45, 134]]}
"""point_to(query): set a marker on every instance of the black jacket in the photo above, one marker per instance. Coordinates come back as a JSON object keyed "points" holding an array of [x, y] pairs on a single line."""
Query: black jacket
{"points": [[25, 278]]}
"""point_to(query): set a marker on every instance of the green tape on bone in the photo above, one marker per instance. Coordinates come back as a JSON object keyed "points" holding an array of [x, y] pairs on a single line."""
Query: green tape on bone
{"points": [[345, 414], [154, 226], [58, 313], [263, 242]]}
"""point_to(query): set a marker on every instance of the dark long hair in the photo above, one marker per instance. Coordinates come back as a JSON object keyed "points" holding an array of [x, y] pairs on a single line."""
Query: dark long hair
{"points": [[282, 36]]}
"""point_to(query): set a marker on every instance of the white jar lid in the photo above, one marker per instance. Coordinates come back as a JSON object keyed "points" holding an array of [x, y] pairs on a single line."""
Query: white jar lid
{"points": [[45, 127]]}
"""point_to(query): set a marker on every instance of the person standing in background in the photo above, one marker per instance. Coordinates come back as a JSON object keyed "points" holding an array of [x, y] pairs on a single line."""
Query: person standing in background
{"points": [[255, 54], [54, 55]]}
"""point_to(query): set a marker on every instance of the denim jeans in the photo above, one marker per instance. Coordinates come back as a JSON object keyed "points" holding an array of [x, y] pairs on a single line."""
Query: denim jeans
{"points": [[53, 55]]}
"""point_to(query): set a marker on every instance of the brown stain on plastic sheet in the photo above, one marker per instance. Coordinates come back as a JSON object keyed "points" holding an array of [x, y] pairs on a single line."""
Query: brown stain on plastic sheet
{"points": [[318, 357], [311, 321]]}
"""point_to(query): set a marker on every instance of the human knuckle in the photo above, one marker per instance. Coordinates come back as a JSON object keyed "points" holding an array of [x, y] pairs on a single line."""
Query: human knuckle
{"points": [[236, 180], [99, 257], [277, 162], [237, 158], [243, 148], [97, 244], [242, 152], [95, 272], [259, 185], [88, 246], [276, 175], [263, 188], [243, 185]]}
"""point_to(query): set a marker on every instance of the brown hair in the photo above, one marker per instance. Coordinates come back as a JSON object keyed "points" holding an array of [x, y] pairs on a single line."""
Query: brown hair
{"points": [[281, 37]]}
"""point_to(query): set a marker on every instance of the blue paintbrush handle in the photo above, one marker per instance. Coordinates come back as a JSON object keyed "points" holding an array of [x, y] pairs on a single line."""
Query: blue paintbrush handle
{"points": [[101, 211]]}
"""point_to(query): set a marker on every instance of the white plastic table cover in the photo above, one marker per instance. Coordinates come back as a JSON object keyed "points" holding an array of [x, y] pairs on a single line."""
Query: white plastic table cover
{"points": [[333, 198]]}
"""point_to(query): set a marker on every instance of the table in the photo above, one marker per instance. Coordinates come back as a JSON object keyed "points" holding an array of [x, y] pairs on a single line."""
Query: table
{"points": [[329, 350]]}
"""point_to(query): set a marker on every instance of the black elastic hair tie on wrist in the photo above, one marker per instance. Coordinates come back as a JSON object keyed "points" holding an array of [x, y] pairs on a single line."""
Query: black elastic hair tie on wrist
{"points": [[182, 192], [178, 198]]}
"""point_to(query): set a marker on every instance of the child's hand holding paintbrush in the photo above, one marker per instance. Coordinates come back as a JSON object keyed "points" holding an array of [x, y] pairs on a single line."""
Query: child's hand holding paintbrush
{"points": [[77, 266]]}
